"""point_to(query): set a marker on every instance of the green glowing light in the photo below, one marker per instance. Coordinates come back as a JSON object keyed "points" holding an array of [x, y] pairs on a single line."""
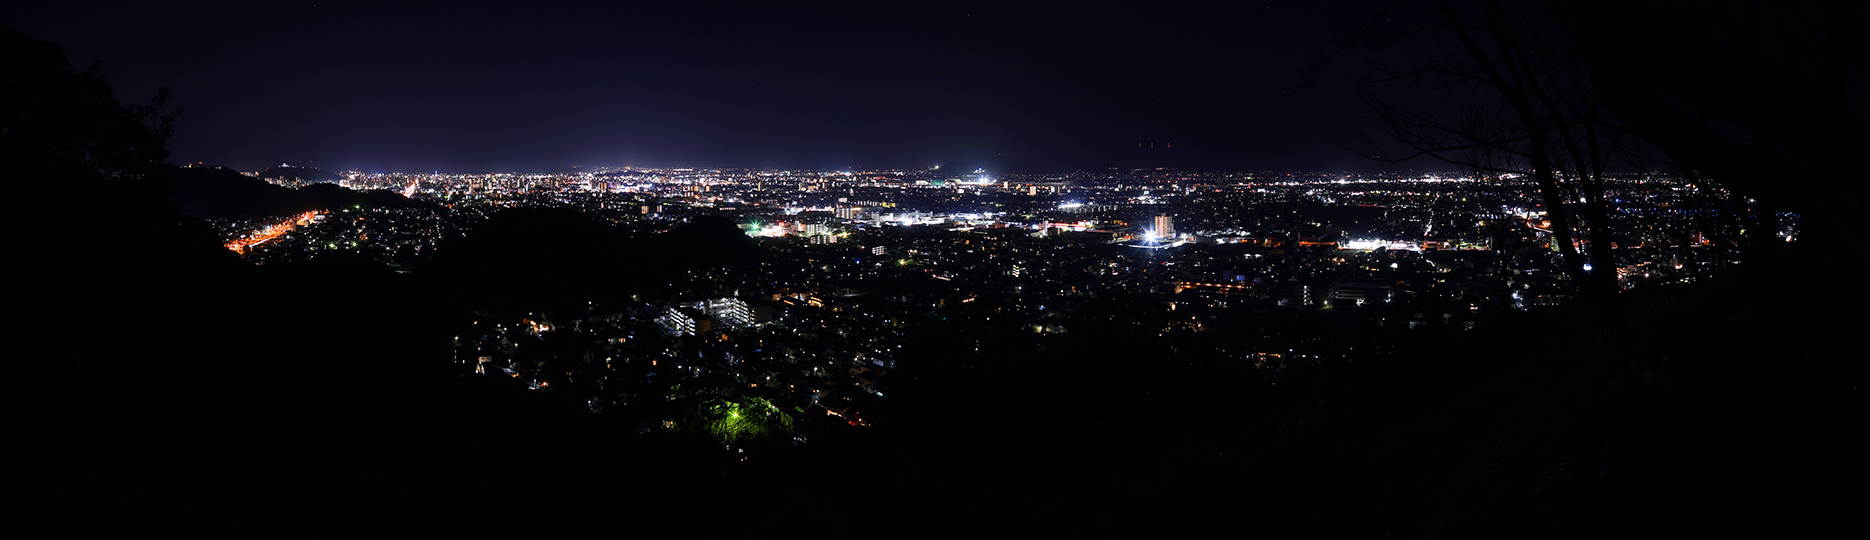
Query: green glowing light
{"points": [[745, 418]]}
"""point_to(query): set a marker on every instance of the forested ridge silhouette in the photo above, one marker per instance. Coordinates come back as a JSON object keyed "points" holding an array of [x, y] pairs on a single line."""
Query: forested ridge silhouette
{"points": [[215, 192]]}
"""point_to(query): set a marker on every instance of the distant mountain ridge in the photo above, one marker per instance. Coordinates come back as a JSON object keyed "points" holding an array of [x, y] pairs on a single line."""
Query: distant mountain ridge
{"points": [[215, 193], [307, 174]]}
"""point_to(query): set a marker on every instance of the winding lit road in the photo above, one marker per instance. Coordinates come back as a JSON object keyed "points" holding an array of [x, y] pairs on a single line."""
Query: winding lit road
{"points": [[272, 232]]}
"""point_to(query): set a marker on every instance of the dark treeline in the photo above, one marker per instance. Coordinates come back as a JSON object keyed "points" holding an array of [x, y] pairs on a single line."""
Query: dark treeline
{"points": [[303, 174], [158, 386], [539, 257], [214, 192]]}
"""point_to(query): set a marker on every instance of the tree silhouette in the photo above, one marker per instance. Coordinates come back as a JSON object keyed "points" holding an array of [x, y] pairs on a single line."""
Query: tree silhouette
{"points": [[1741, 96], [1496, 88], [1768, 98], [93, 230], [62, 130]]}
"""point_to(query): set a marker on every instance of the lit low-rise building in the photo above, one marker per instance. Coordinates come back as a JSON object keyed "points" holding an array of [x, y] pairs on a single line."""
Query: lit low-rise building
{"points": [[677, 322]]}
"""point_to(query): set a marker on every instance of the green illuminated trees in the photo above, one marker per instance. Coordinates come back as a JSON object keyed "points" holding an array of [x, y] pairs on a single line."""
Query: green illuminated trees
{"points": [[744, 419]]}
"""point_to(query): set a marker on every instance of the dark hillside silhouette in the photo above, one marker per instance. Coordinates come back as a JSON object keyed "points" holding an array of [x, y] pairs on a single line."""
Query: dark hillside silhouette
{"points": [[303, 174], [538, 256], [704, 242], [88, 228], [213, 192]]}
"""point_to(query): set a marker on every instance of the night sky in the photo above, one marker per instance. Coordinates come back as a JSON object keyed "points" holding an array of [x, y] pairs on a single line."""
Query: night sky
{"points": [[527, 86]]}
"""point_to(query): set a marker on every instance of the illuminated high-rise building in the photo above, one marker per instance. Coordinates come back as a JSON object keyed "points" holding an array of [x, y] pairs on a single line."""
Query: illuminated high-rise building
{"points": [[1165, 227]]}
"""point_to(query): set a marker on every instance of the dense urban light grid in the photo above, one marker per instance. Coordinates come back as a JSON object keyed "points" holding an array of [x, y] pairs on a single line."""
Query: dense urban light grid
{"points": [[855, 254]]}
